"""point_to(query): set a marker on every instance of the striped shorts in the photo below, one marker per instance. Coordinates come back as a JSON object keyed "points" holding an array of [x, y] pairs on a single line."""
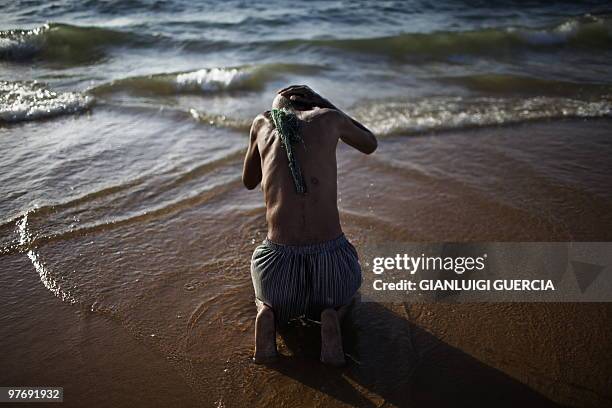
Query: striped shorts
{"points": [[300, 281]]}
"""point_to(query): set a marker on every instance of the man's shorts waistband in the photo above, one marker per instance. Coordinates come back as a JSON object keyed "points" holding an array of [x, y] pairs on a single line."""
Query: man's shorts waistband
{"points": [[310, 248]]}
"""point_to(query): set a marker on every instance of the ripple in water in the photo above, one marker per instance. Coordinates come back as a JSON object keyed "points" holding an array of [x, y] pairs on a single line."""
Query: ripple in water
{"points": [[47, 279]]}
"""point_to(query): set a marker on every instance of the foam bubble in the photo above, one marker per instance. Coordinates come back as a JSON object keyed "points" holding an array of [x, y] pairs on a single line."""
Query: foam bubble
{"points": [[20, 44]]}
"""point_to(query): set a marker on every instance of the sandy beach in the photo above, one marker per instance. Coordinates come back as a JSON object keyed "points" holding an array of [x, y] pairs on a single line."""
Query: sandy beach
{"points": [[155, 309]]}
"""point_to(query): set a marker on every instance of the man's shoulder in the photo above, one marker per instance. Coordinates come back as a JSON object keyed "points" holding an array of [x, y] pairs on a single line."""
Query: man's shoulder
{"points": [[326, 113], [261, 122], [262, 119], [328, 118]]}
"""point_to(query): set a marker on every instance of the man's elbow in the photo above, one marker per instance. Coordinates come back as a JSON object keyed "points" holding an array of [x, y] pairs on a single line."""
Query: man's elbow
{"points": [[371, 146], [250, 184]]}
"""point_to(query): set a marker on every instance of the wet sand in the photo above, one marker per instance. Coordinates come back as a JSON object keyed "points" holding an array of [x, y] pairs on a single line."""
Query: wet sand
{"points": [[157, 304]]}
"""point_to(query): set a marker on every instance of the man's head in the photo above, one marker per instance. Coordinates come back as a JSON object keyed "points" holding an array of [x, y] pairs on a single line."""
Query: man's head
{"points": [[283, 102], [301, 98], [280, 102]]}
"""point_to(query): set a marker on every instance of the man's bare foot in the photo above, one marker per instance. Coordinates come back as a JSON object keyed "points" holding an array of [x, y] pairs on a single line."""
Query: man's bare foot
{"points": [[331, 339], [265, 336]]}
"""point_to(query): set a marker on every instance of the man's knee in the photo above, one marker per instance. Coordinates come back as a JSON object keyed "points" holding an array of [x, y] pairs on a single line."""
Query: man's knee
{"points": [[265, 313], [329, 314]]}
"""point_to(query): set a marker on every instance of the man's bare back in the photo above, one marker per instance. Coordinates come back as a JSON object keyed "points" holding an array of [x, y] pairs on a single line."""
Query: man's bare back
{"points": [[311, 217], [301, 218]]}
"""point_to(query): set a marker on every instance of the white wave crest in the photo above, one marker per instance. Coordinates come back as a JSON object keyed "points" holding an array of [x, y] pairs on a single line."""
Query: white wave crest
{"points": [[46, 277], [563, 32], [443, 113], [20, 101], [213, 79], [17, 44]]}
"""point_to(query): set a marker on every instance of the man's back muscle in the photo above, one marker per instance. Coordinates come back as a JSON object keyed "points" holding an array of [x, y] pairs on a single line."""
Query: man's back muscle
{"points": [[301, 218]]}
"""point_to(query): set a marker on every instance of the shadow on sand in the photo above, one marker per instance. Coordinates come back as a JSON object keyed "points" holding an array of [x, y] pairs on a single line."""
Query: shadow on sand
{"points": [[394, 362]]}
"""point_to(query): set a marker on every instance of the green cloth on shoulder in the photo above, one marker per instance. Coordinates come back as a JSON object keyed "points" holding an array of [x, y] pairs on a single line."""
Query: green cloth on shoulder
{"points": [[288, 126]]}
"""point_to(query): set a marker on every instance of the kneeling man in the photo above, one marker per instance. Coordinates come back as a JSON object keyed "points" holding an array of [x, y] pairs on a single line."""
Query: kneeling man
{"points": [[305, 268]]}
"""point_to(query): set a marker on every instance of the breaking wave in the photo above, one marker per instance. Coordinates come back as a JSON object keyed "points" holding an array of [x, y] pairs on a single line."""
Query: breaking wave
{"points": [[446, 113], [65, 43], [207, 80], [23, 101], [441, 113]]}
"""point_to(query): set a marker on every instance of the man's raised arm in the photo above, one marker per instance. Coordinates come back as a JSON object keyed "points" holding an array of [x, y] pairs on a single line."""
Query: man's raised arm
{"points": [[356, 135], [352, 132], [251, 171]]}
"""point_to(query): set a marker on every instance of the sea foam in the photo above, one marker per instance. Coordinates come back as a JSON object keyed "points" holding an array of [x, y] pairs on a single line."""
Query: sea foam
{"points": [[22, 101], [213, 79], [455, 112]]}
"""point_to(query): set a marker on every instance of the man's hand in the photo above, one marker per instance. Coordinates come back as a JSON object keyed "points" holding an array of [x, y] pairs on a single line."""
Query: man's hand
{"points": [[305, 96], [354, 133]]}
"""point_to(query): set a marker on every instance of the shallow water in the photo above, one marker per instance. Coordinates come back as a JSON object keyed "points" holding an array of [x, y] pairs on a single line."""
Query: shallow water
{"points": [[125, 233]]}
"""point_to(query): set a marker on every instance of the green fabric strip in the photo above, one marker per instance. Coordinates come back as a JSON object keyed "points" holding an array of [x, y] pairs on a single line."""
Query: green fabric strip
{"points": [[288, 126]]}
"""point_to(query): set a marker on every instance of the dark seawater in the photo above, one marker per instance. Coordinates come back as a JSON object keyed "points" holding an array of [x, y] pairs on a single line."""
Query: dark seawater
{"points": [[122, 130]]}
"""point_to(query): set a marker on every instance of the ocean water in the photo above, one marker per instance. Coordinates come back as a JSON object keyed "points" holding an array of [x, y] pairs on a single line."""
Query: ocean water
{"points": [[157, 54], [123, 125], [404, 69]]}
